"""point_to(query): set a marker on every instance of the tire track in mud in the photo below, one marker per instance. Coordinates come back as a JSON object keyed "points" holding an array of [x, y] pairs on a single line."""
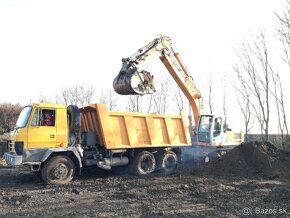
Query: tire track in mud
{"points": [[102, 194]]}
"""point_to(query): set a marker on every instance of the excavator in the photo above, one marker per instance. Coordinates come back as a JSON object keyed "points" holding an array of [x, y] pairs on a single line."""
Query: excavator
{"points": [[208, 130]]}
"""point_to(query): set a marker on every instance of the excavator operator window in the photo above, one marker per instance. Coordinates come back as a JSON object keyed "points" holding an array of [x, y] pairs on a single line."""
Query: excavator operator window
{"points": [[217, 126], [204, 129], [205, 124]]}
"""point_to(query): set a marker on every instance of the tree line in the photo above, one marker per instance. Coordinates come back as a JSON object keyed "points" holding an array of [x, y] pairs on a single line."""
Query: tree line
{"points": [[259, 85]]}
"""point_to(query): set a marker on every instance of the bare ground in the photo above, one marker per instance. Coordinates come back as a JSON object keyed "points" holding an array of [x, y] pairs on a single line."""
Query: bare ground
{"points": [[253, 179], [186, 193]]}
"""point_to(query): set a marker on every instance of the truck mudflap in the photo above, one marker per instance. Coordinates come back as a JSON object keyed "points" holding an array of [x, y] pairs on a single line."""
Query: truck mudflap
{"points": [[13, 159]]}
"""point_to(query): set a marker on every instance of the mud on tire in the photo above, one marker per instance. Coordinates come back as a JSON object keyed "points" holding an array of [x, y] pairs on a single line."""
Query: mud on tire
{"points": [[58, 170], [167, 162], [143, 163]]}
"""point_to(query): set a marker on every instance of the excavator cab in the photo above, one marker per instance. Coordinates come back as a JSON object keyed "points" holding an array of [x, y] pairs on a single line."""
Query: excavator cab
{"points": [[210, 129]]}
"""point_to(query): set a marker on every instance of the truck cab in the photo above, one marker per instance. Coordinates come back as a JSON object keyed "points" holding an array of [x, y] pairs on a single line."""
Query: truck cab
{"points": [[39, 127]]}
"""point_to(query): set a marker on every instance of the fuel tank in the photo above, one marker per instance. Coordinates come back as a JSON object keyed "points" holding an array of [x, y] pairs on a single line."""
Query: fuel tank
{"points": [[132, 82]]}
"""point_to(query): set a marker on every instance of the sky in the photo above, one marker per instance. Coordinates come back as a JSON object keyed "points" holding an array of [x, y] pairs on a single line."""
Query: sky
{"points": [[48, 45]]}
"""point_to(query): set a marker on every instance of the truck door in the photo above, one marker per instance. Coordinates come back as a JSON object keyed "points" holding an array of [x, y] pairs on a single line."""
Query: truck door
{"points": [[42, 129]]}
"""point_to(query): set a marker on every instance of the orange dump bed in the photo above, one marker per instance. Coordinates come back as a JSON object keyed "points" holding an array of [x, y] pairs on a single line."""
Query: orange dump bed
{"points": [[123, 130]]}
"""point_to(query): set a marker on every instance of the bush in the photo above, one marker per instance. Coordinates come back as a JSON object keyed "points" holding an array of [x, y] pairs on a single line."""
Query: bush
{"points": [[8, 116]]}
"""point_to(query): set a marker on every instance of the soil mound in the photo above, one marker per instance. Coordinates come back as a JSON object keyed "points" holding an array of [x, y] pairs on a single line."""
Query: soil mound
{"points": [[261, 159]]}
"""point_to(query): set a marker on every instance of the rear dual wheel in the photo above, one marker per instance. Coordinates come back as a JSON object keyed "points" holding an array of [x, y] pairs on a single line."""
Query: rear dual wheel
{"points": [[167, 162], [143, 163]]}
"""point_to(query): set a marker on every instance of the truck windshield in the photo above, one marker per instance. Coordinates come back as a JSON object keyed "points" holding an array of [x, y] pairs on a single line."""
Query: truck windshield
{"points": [[23, 117]]}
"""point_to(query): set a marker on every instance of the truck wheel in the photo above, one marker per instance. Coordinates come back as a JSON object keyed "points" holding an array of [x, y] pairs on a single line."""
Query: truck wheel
{"points": [[58, 170], [144, 163], [167, 162]]}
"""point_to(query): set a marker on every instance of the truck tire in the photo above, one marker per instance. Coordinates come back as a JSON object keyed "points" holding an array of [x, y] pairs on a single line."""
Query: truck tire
{"points": [[58, 170], [74, 118], [167, 162], [143, 163]]}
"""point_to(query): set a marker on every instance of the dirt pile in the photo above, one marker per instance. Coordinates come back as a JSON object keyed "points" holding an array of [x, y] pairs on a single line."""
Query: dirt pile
{"points": [[253, 159]]}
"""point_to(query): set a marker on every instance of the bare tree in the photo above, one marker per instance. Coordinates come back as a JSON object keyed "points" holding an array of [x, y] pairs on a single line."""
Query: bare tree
{"points": [[42, 98], [254, 64], [284, 33], [284, 37], [177, 97], [160, 98], [85, 94], [109, 98], [153, 103], [224, 100], [244, 100], [8, 116], [210, 101], [77, 95], [281, 112], [134, 103]]}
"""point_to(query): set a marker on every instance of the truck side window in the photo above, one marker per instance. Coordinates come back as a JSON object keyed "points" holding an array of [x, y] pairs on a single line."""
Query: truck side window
{"points": [[35, 118], [47, 118]]}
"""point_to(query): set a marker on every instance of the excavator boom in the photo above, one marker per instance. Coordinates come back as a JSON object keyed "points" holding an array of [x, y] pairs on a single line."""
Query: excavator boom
{"points": [[130, 81]]}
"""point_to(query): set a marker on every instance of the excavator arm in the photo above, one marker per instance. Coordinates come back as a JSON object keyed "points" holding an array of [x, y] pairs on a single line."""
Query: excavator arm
{"points": [[130, 81], [209, 129]]}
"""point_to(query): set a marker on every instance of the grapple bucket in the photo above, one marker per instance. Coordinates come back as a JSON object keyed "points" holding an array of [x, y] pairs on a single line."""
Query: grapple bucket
{"points": [[131, 82]]}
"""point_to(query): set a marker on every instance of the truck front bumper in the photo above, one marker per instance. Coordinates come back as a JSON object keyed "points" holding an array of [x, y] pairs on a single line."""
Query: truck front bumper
{"points": [[13, 159]]}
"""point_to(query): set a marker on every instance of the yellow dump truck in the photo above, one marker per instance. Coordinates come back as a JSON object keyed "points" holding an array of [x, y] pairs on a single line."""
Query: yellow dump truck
{"points": [[58, 141]]}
